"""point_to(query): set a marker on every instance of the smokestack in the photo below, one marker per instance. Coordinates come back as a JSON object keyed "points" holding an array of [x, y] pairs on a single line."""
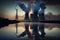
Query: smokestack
{"points": [[16, 13]]}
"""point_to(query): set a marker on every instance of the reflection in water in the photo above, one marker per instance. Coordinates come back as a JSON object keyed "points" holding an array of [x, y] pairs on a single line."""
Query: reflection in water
{"points": [[26, 31], [35, 31], [9, 32]]}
